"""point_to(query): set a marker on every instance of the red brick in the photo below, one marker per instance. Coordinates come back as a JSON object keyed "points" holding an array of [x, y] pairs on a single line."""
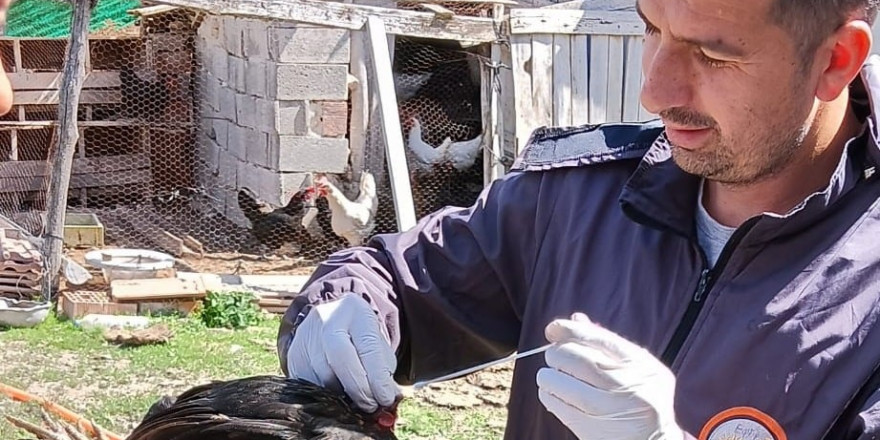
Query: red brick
{"points": [[80, 303], [334, 118]]}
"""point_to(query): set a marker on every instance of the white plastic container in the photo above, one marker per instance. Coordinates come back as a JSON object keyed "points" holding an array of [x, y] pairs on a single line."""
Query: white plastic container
{"points": [[128, 264], [22, 313]]}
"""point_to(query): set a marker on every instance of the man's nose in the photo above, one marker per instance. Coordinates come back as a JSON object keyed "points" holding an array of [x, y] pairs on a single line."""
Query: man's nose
{"points": [[668, 81]]}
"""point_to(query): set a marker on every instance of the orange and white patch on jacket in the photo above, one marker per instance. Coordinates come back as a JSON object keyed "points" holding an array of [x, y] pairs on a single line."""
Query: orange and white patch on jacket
{"points": [[742, 423]]}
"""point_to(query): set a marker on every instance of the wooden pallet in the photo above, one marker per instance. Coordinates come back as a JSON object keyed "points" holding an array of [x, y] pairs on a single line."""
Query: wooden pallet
{"points": [[274, 302], [156, 289], [23, 176]]}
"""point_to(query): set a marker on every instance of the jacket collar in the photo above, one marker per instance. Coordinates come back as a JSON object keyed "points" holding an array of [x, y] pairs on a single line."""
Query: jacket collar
{"points": [[661, 195]]}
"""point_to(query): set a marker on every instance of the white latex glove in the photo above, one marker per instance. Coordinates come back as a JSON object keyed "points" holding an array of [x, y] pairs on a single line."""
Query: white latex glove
{"points": [[603, 387], [340, 343]]}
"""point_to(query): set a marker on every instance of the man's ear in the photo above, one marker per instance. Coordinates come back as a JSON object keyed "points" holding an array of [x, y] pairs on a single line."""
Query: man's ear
{"points": [[847, 48]]}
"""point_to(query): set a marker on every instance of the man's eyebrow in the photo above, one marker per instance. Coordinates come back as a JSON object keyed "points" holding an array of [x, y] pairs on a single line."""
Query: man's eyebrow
{"points": [[715, 45]]}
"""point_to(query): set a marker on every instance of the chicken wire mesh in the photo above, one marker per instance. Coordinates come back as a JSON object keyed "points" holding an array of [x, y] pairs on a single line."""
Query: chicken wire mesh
{"points": [[191, 129], [438, 92]]}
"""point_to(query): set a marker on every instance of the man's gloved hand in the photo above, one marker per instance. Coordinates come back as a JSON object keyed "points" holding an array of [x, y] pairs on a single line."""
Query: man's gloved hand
{"points": [[340, 343], [603, 387]]}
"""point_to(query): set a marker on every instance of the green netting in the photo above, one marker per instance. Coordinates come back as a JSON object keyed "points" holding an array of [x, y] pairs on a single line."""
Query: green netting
{"points": [[51, 18]]}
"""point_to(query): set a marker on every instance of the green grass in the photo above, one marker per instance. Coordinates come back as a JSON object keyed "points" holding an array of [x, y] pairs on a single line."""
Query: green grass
{"points": [[114, 386]]}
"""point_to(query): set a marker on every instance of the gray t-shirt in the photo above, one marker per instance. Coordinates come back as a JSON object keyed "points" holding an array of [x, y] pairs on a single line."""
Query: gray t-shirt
{"points": [[711, 235]]}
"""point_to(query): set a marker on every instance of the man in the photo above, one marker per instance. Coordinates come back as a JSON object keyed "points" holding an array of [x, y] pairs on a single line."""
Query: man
{"points": [[724, 263]]}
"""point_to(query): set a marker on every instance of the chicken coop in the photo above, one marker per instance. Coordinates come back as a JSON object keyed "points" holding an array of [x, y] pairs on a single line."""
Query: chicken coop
{"points": [[135, 116], [286, 99], [432, 116], [239, 137]]}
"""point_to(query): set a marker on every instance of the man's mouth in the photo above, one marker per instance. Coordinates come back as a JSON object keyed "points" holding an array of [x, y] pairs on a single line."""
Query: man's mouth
{"points": [[686, 137]]}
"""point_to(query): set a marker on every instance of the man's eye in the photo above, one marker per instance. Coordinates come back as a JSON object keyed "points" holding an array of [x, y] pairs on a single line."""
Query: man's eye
{"points": [[709, 61], [651, 29]]}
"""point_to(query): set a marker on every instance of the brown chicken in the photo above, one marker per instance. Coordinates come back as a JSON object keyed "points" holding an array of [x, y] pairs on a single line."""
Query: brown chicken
{"points": [[263, 408]]}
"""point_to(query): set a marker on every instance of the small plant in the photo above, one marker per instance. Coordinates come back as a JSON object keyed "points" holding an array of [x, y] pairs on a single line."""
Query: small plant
{"points": [[234, 310]]}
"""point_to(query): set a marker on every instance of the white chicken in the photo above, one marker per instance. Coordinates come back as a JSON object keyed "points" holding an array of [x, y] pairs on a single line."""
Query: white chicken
{"points": [[426, 154], [463, 154], [352, 220]]}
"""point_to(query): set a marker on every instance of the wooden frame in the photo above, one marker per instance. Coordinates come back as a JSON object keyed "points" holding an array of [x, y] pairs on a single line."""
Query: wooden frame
{"points": [[492, 111], [23, 80], [391, 130], [574, 21], [149, 11], [351, 16], [575, 63], [25, 176]]}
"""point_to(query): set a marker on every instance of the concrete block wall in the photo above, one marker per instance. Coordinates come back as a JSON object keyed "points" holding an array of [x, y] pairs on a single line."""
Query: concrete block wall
{"points": [[274, 107]]}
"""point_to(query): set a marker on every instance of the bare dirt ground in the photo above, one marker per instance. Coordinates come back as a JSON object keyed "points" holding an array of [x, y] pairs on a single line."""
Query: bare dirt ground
{"points": [[226, 263], [490, 387]]}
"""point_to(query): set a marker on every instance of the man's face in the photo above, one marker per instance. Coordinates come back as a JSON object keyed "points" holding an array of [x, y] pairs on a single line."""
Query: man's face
{"points": [[726, 82]]}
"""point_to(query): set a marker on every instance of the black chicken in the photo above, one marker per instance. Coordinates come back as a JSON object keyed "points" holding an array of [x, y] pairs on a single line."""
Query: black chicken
{"points": [[274, 227], [262, 408]]}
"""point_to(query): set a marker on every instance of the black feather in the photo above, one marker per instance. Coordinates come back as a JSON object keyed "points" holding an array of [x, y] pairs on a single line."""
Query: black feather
{"points": [[275, 227], [259, 408]]}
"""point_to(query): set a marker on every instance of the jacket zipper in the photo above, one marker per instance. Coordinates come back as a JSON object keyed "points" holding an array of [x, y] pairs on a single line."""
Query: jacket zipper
{"points": [[704, 285], [701, 286]]}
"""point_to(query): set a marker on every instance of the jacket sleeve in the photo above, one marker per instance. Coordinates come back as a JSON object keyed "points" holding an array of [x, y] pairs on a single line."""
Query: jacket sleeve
{"points": [[450, 291], [867, 424]]}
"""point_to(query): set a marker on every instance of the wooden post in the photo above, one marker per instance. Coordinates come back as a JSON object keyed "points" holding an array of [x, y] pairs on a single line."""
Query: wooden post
{"points": [[493, 123], [388, 111], [62, 154]]}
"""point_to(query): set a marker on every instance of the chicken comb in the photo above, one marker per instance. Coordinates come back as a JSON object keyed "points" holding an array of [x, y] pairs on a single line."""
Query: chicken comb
{"points": [[312, 191], [387, 417]]}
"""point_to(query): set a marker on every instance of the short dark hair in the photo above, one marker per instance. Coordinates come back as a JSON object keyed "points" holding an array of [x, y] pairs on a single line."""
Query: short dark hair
{"points": [[811, 21]]}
